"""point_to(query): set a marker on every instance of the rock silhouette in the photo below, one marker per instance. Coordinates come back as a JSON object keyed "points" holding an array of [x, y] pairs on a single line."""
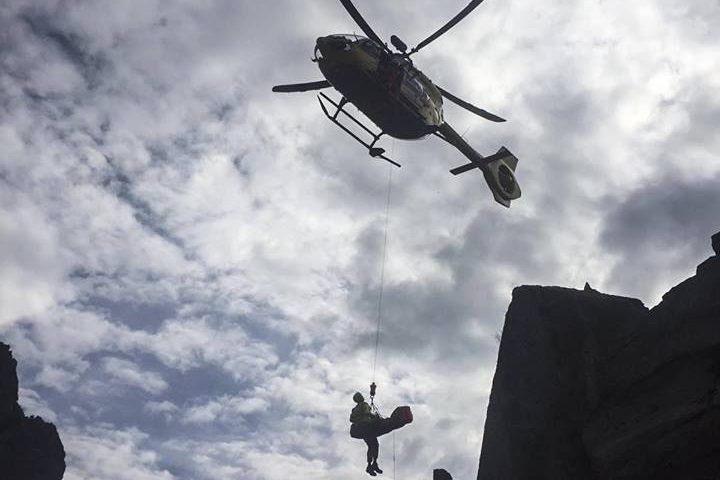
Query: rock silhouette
{"points": [[595, 386], [30, 448]]}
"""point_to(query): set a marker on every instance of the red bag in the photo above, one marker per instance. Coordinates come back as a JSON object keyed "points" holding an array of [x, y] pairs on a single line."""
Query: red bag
{"points": [[402, 416]]}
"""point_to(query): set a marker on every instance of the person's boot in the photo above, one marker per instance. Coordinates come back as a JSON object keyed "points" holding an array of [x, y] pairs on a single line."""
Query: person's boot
{"points": [[376, 468], [370, 470]]}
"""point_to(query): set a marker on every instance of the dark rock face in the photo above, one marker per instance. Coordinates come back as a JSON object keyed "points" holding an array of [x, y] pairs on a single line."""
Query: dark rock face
{"points": [[441, 474], [30, 448], [594, 386], [8, 385]]}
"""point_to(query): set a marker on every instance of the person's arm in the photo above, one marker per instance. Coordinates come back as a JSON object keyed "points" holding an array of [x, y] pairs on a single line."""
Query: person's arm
{"points": [[368, 412]]}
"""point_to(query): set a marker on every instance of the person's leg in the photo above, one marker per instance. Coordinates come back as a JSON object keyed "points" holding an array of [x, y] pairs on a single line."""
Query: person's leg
{"points": [[370, 441], [375, 454]]}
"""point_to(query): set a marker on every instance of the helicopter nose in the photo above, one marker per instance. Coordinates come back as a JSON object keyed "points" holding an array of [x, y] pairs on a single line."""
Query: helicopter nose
{"points": [[328, 45]]}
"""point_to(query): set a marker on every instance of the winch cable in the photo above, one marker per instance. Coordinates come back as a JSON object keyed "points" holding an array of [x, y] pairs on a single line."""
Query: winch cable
{"points": [[380, 297], [382, 283], [393, 455], [382, 272]]}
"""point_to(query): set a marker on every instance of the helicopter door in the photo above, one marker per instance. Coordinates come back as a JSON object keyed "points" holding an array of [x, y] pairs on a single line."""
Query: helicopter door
{"points": [[396, 78], [390, 73], [415, 93]]}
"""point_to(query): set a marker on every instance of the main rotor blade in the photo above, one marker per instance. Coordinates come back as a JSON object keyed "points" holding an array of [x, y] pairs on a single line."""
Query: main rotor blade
{"points": [[301, 87], [468, 106], [464, 13], [361, 22]]}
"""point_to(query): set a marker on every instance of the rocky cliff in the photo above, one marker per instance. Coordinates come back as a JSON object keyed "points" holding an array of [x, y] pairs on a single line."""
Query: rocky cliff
{"points": [[595, 386], [30, 448]]}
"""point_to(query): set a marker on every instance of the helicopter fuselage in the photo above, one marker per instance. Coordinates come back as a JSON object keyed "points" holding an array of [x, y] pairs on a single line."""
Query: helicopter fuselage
{"points": [[386, 87], [403, 102]]}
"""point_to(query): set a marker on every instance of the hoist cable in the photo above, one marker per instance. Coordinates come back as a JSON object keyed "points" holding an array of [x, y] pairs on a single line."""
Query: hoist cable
{"points": [[382, 271], [393, 455]]}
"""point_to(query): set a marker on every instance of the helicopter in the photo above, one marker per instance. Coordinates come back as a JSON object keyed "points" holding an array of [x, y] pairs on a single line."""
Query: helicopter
{"points": [[398, 98]]}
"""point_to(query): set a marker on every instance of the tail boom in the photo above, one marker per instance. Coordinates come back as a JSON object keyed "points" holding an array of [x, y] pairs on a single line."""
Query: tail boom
{"points": [[498, 169]]}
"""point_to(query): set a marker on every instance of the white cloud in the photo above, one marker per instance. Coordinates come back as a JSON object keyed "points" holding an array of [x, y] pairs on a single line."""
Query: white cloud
{"points": [[185, 344], [224, 409], [164, 407], [33, 404], [111, 454], [30, 272], [131, 374]]}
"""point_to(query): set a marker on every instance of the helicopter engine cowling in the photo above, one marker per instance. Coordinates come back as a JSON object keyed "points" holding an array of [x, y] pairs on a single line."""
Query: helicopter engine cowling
{"points": [[399, 44]]}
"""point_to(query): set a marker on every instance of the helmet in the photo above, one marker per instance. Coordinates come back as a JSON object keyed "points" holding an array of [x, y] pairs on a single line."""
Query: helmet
{"points": [[358, 398]]}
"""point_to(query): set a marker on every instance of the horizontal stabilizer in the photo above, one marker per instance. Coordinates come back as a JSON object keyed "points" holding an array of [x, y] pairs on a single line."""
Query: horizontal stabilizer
{"points": [[301, 87], [502, 154], [463, 168]]}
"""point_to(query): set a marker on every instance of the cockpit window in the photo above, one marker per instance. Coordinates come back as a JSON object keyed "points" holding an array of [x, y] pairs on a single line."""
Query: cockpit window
{"points": [[369, 46], [349, 37], [417, 85]]}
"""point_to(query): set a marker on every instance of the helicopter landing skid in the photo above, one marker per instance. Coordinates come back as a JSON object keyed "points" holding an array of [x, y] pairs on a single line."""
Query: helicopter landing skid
{"points": [[374, 151]]}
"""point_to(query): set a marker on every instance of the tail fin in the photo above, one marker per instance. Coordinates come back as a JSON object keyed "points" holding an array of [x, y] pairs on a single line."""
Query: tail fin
{"points": [[499, 174]]}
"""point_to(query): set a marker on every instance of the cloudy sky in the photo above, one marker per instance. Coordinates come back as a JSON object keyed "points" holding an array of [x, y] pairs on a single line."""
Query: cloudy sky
{"points": [[190, 264]]}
